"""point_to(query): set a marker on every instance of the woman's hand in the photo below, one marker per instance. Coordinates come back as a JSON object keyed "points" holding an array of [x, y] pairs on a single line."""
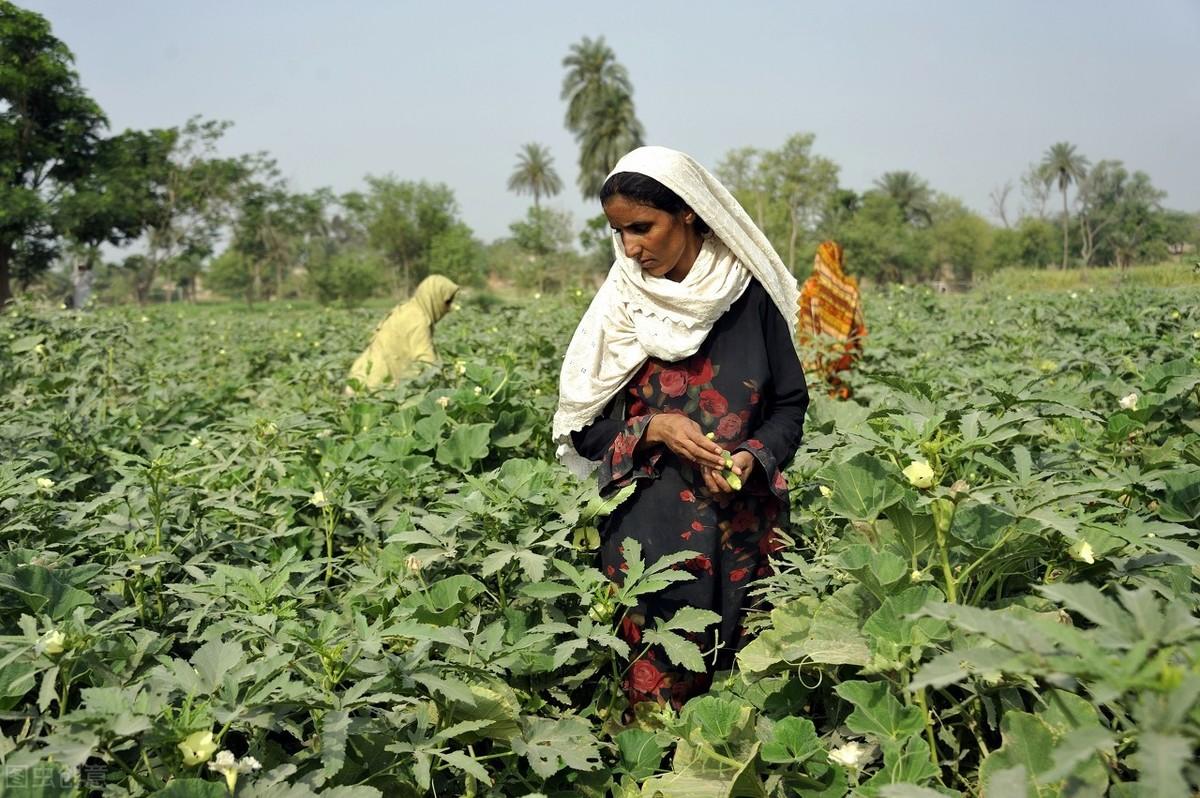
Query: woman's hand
{"points": [[714, 480], [683, 437]]}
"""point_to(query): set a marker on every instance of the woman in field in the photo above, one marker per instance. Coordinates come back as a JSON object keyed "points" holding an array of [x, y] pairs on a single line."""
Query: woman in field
{"points": [[687, 351], [830, 327], [404, 340]]}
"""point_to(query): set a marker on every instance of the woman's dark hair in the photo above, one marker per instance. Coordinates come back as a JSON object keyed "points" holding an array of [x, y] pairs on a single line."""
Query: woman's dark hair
{"points": [[644, 190]]}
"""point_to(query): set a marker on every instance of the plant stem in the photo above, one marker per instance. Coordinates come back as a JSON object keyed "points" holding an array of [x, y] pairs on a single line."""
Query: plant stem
{"points": [[925, 716]]}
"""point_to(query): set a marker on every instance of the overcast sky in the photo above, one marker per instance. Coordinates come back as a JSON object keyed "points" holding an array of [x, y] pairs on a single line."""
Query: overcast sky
{"points": [[966, 94]]}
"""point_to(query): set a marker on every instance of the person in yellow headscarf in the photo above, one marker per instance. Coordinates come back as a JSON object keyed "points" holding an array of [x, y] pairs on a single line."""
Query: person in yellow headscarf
{"points": [[404, 339], [830, 326]]}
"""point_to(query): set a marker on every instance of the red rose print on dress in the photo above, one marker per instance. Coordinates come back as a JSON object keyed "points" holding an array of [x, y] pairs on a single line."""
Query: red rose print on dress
{"points": [[644, 677], [687, 496], [699, 371], [699, 563], [713, 403], [729, 427], [673, 382], [631, 631], [738, 574]]}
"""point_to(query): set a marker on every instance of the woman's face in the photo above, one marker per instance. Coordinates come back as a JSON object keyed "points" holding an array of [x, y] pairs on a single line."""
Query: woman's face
{"points": [[665, 244]]}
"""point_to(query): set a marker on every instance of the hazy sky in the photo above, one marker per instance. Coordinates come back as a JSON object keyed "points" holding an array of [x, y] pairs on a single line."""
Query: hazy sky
{"points": [[966, 94]]}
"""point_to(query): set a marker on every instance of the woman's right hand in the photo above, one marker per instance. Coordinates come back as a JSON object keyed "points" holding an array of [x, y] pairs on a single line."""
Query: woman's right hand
{"points": [[684, 437]]}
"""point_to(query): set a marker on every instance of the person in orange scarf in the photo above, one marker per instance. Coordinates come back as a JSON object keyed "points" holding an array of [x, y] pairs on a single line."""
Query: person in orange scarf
{"points": [[829, 325]]}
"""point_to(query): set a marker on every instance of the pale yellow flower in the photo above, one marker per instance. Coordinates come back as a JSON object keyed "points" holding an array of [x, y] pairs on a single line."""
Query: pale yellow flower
{"points": [[52, 643], [1129, 402], [45, 483], [318, 498], [197, 747], [443, 401], [1082, 552], [919, 474], [826, 492]]}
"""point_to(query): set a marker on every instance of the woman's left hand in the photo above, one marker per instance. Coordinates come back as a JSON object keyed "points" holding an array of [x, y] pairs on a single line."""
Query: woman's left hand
{"points": [[743, 465]]}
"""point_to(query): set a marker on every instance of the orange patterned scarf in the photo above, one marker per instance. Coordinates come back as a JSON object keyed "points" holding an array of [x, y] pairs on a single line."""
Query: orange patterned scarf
{"points": [[830, 308]]}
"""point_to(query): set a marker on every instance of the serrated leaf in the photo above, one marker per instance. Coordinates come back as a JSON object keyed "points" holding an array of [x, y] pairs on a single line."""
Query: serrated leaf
{"points": [[680, 651]]}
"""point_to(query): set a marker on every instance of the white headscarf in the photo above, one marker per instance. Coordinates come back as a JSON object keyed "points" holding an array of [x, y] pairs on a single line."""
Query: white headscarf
{"points": [[634, 317]]}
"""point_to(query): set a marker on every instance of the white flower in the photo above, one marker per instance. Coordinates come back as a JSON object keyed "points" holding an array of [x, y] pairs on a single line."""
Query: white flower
{"points": [[578, 292], [40, 349], [478, 390], [325, 433], [228, 765], [45, 483], [460, 367], [825, 491], [145, 319], [849, 755], [413, 564], [52, 643], [1129, 402], [1082, 551], [318, 498], [1074, 295], [917, 576], [537, 391], [919, 474], [537, 296], [197, 747], [443, 401], [196, 442], [221, 352], [1175, 314], [299, 334]]}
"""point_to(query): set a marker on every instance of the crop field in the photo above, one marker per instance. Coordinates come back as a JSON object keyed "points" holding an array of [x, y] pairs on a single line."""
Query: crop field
{"points": [[220, 574]]}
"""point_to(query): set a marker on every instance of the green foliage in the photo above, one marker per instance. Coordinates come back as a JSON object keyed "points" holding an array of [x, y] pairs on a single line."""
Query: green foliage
{"points": [[49, 131], [348, 277], [397, 594]]}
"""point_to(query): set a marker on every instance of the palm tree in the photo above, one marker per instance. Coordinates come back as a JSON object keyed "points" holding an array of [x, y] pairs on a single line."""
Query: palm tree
{"points": [[535, 173], [592, 69], [611, 130], [910, 193], [600, 110], [1062, 165]]}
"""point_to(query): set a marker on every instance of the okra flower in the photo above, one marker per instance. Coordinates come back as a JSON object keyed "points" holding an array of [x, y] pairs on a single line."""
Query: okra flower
{"points": [[52, 643], [825, 491], [1129, 402], [318, 498], [919, 474], [443, 401], [197, 747], [45, 483], [228, 766], [1082, 552], [850, 755]]}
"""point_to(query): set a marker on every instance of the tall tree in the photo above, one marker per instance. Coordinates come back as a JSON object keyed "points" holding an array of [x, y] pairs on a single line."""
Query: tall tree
{"points": [[600, 110], [401, 219], [1062, 166], [911, 193], [535, 173], [196, 202], [118, 198], [804, 184], [49, 131]]}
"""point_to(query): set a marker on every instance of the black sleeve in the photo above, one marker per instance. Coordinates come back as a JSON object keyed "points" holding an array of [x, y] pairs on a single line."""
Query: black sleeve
{"points": [[775, 441]]}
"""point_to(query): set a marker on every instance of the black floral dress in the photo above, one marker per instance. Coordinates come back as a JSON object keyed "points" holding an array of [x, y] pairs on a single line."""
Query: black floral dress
{"points": [[746, 386]]}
